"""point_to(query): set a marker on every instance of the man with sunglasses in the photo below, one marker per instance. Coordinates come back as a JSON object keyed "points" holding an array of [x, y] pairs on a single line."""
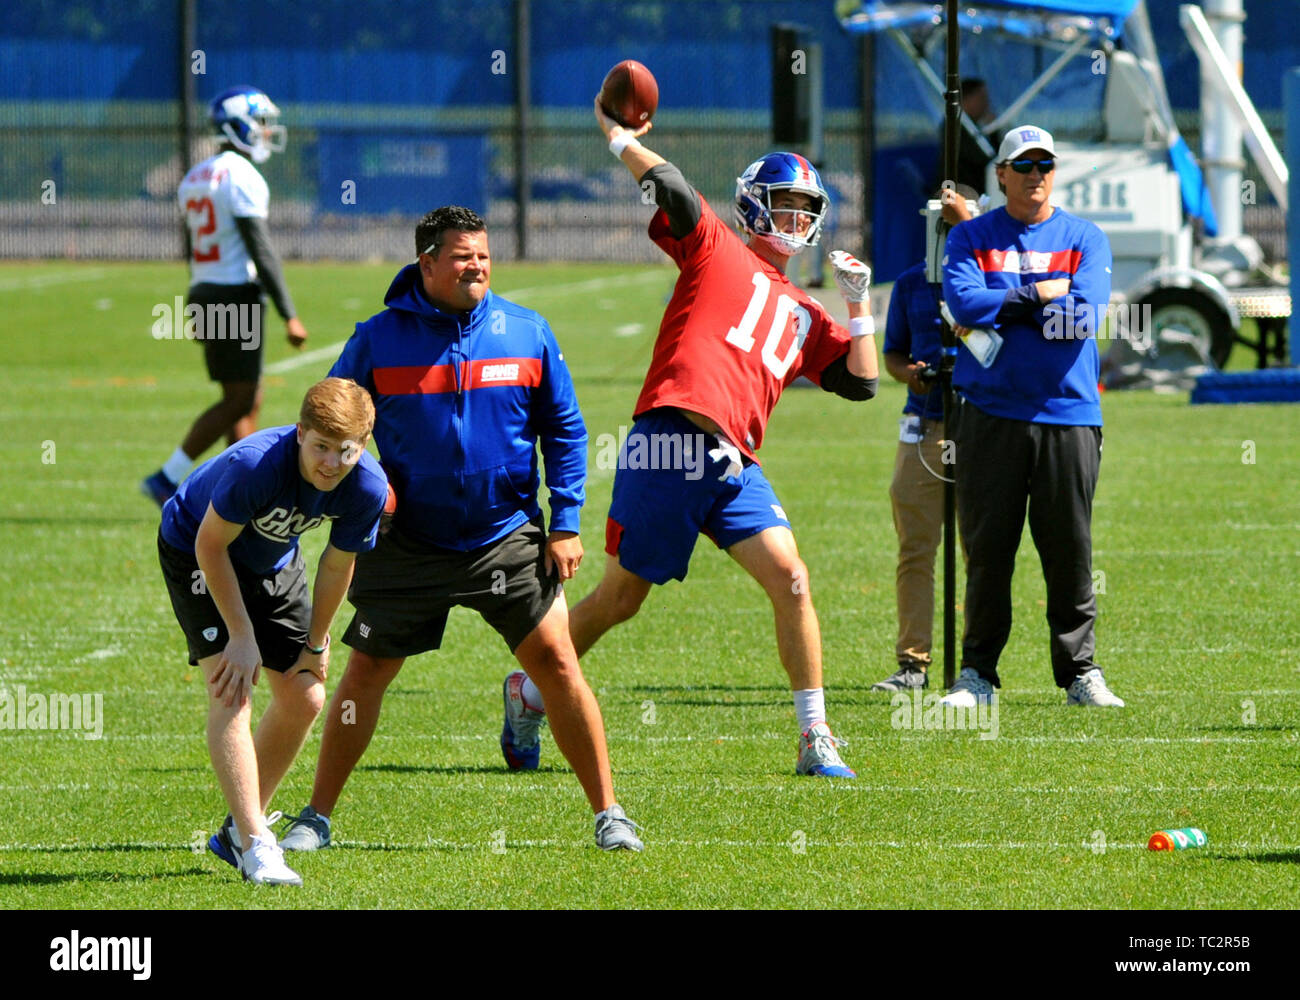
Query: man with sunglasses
{"points": [[1028, 432]]}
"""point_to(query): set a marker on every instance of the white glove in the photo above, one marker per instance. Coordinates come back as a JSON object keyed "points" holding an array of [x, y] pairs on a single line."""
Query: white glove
{"points": [[853, 276], [729, 451]]}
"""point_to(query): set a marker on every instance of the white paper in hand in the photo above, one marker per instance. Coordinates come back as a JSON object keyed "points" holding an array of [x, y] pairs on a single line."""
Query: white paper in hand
{"points": [[982, 343]]}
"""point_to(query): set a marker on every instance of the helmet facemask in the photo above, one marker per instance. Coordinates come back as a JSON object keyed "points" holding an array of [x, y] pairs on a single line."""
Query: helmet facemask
{"points": [[774, 226]]}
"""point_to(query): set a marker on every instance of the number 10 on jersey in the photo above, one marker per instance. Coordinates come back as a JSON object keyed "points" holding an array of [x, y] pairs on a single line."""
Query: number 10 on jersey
{"points": [[742, 336]]}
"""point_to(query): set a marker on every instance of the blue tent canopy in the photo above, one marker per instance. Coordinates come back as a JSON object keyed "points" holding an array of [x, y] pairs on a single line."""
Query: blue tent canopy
{"points": [[1027, 18], [1116, 10]]}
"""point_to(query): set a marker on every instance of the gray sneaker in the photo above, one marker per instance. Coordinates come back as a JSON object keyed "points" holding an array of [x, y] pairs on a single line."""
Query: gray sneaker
{"points": [[614, 831], [310, 831], [1091, 689], [969, 690], [907, 678]]}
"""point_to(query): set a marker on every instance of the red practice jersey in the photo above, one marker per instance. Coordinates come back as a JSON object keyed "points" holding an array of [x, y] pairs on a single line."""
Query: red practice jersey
{"points": [[735, 333]]}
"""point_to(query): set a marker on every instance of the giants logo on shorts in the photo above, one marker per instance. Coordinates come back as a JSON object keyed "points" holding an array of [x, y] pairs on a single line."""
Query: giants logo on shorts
{"points": [[210, 633], [280, 525], [500, 373]]}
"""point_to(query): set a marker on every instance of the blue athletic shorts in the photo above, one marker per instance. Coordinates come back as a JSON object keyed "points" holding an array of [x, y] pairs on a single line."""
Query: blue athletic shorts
{"points": [[667, 490]]}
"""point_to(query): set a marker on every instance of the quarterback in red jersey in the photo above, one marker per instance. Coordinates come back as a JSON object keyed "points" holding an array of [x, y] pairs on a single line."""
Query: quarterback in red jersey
{"points": [[734, 335]]}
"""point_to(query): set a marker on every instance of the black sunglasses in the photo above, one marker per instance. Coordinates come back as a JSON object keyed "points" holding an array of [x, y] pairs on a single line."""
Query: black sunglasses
{"points": [[1045, 167]]}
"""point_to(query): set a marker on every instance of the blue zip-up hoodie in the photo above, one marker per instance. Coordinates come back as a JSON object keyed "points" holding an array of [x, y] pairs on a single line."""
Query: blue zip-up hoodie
{"points": [[461, 401], [1046, 371]]}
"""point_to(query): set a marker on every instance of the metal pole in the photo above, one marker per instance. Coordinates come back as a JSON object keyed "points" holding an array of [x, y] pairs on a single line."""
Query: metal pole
{"points": [[188, 88], [1291, 112], [1221, 133], [867, 133], [523, 104], [952, 123]]}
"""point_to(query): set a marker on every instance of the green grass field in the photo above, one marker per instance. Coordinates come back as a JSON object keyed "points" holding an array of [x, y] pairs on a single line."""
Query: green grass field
{"points": [[1195, 532]]}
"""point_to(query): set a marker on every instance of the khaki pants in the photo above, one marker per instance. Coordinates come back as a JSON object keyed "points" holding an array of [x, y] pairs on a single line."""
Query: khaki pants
{"points": [[917, 499]]}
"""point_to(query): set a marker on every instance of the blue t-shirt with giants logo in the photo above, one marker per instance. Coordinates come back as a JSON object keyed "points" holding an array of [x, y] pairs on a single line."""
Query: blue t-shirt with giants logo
{"points": [[256, 482]]}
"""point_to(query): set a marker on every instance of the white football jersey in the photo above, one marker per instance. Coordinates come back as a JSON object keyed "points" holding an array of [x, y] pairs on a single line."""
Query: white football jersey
{"points": [[211, 196]]}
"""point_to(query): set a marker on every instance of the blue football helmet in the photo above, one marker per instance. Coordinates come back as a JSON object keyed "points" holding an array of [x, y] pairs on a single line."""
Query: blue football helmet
{"points": [[754, 190], [245, 117]]}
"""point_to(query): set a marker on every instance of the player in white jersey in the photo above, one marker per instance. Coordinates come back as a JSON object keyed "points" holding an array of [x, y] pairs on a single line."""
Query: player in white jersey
{"points": [[224, 200]]}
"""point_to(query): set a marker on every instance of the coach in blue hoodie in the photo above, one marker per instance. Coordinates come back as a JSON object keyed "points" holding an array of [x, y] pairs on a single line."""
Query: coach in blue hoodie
{"points": [[1029, 430], [466, 386]]}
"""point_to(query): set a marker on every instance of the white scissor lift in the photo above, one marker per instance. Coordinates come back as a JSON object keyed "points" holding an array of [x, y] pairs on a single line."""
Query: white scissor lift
{"points": [[1169, 277]]}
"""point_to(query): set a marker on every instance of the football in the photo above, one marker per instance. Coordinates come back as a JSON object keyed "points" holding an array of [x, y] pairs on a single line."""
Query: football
{"points": [[630, 94]]}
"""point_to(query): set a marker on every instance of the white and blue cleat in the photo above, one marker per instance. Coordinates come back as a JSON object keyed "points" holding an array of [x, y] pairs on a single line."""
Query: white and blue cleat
{"points": [[615, 832], [818, 756], [521, 744], [158, 488]]}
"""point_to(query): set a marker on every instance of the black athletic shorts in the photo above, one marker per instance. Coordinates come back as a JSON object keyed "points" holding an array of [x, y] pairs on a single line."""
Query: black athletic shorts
{"points": [[279, 607], [402, 590], [231, 330]]}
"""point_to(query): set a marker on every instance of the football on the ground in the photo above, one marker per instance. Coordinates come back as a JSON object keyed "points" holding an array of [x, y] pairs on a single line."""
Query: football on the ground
{"points": [[629, 94]]}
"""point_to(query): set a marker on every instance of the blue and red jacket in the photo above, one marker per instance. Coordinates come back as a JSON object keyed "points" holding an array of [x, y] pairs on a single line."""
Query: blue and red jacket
{"points": [[1046, 371], [461, 402]]}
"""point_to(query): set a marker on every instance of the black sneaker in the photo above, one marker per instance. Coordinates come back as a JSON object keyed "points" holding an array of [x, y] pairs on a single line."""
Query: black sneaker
{"points": [[907, 678], [224, 843]]}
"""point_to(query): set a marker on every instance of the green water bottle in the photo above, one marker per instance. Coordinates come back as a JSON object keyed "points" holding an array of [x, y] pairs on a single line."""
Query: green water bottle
{"points": [[1177, 840]]}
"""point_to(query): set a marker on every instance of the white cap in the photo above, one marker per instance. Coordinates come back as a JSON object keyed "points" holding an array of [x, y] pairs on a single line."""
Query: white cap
{"points": [[1023, 138]]}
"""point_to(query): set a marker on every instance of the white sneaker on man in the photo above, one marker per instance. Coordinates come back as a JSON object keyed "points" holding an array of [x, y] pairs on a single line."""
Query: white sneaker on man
{"points": [[262, 863], [969, 690], [1091, 689]]}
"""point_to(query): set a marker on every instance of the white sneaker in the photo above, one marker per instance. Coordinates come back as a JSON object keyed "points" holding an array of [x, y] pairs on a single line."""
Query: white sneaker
{"points": [[1091, 689], [262, 863], [969, 690]]}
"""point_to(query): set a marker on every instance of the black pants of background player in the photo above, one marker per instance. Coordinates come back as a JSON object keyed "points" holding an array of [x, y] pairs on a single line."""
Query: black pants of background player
{"points": [[1003, 468]]}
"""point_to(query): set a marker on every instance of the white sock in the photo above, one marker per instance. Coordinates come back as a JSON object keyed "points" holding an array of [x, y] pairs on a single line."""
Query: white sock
{"points": [[532, 697], [810, 706], [178, 466]]}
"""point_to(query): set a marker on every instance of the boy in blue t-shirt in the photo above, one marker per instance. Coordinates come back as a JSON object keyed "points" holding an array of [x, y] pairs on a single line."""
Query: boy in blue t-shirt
{"points": [[228, 546]]}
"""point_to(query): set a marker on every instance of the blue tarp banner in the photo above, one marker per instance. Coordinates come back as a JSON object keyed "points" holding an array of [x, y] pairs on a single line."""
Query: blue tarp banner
{"points": [[1191, 182], [391, 172]]}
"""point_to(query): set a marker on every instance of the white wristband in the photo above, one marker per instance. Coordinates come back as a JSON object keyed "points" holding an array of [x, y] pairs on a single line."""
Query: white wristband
{"points": [[621, 142], [862, 326]]}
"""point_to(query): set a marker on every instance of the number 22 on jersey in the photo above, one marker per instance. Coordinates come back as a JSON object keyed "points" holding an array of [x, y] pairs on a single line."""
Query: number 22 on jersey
{"points": [[201, 217], [742, 336]]}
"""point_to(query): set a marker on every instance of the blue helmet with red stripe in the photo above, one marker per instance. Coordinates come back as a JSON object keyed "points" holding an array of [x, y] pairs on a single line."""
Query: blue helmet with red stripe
{"points": [[246, 118], [758, 185]]}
